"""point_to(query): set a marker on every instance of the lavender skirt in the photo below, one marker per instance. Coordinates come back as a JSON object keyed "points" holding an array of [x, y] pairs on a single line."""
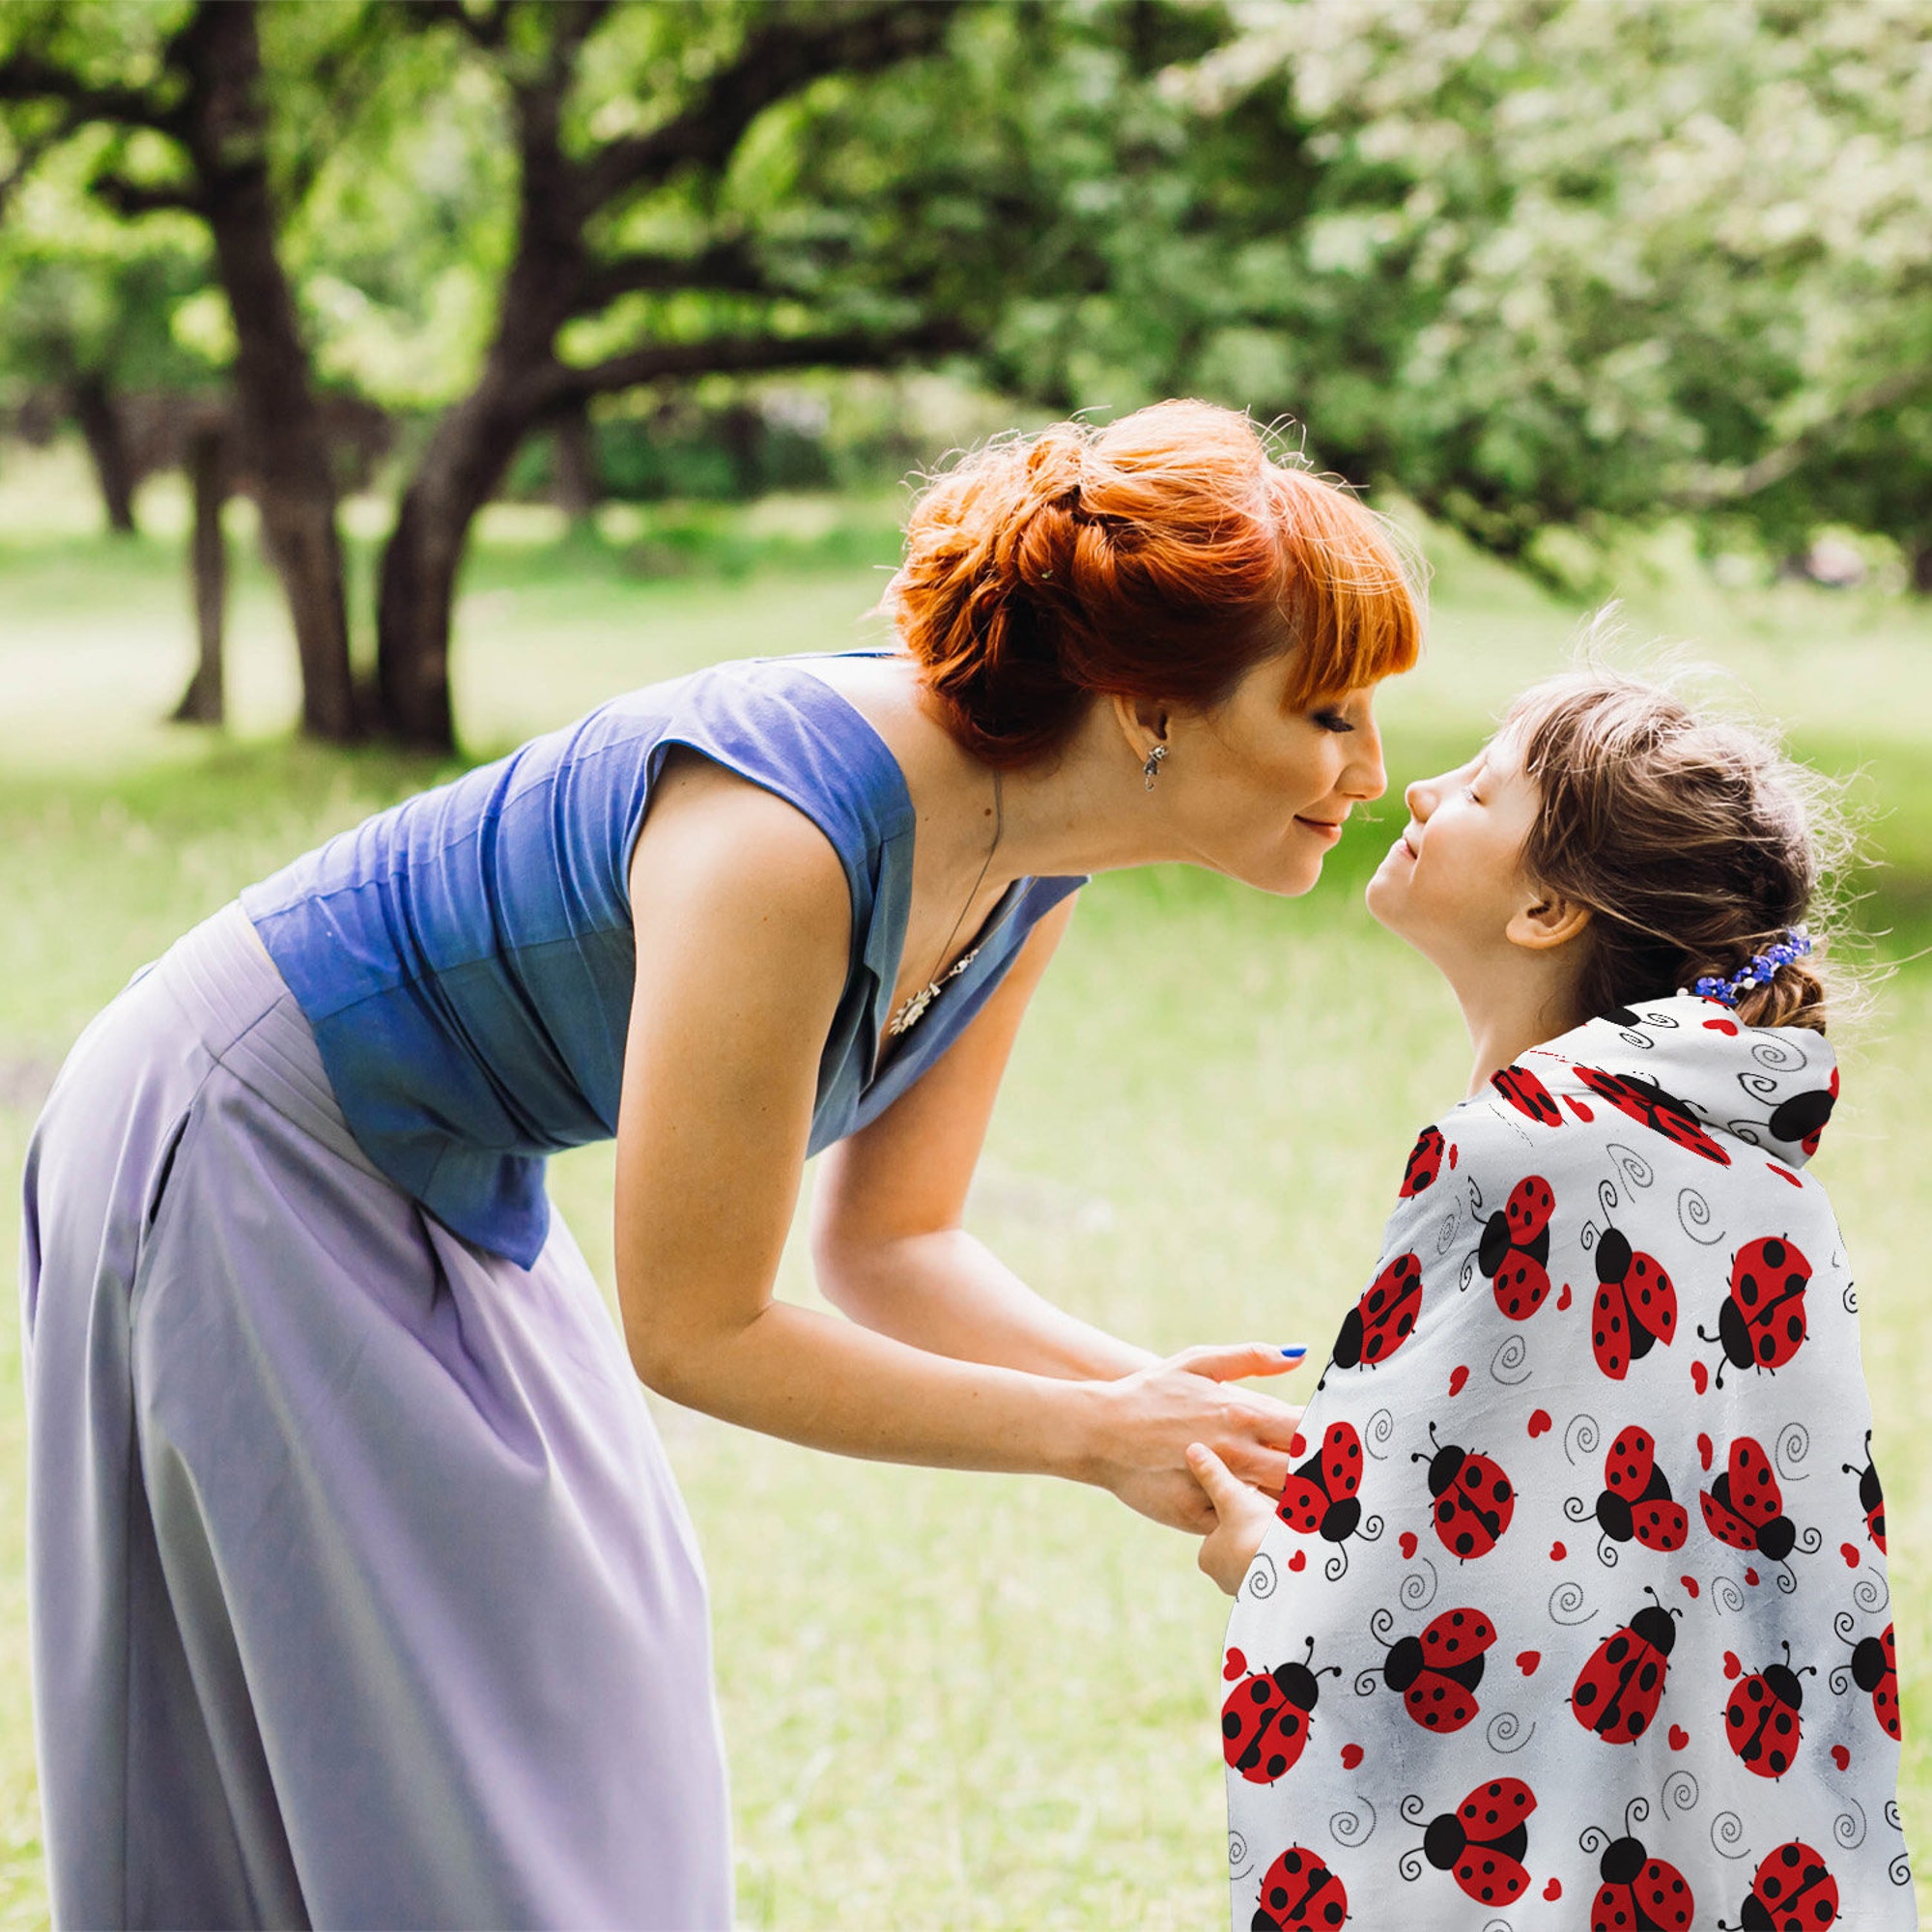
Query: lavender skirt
{"points": [[361, 1593]]}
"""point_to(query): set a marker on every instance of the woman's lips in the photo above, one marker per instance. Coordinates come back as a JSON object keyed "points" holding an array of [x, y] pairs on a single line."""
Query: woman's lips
{"points": [[1322, 828]]}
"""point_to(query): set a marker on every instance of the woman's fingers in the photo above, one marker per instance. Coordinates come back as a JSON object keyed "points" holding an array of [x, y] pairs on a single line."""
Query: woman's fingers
{"points": [[1231, 1361]]}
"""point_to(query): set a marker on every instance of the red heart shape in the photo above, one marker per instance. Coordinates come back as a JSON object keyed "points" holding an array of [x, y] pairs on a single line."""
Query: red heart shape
{"points": [[1731, 1665], [1539, 1424], [1408, 1542], [1563, 1300], [1679, 1737], [1299, 1559], [1526, 1662], [1298, 1444], [1721, 1026], [1700, 1376], [1704, 1450], [1751, 1577], [1457, 1378], [1841, 1757], [1236, 1667], [1553, 1890], [1580, 1108], [1689, 1583], [1352, 1757], [1452, 1156], [1557, 1553], [1850, 1553]]}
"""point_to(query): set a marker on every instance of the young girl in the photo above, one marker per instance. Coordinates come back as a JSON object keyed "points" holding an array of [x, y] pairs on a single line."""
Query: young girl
{"points": [[1574, 1607]]}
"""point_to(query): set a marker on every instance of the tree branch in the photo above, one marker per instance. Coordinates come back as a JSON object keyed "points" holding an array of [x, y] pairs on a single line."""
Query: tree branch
{"points": [[730, 266], [745, 355], [28, 159], [131, 199], [27, 76], [778, 59], [1710, 487], [485, 30]]}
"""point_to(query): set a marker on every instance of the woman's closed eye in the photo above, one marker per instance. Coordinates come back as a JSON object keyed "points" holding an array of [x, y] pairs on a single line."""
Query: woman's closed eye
{"points": [[1332, 720]]}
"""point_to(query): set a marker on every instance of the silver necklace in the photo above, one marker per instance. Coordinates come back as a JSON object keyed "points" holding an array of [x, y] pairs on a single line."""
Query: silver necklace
{"points": [[916, 1004]]}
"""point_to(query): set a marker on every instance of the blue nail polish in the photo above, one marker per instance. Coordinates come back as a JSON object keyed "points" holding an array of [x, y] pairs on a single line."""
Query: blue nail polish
{"points": [[1299, 1349]]}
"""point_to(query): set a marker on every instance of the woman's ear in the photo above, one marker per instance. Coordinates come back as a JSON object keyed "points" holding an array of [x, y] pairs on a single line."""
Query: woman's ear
{"points": [[1143, 722], [1546, 921]]}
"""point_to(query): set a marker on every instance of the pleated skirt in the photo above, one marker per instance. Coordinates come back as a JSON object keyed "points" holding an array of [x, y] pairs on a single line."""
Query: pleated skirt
{"points": [[360, 1590]]}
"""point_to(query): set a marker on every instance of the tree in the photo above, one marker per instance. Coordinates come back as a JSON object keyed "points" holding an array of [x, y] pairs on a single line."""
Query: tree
{"points": [[185, 93]]}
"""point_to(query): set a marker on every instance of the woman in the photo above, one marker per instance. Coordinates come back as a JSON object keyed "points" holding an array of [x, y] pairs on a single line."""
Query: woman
{"points": [[1580, 1594], [362, 1594]]}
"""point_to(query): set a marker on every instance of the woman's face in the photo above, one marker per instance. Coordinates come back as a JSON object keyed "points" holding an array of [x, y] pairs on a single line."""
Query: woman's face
{"points": [[1259, 791], [1452, 882]]}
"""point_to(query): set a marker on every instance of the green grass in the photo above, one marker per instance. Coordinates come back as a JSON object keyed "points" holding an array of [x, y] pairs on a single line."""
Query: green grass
{"points": [[961, 1703]]}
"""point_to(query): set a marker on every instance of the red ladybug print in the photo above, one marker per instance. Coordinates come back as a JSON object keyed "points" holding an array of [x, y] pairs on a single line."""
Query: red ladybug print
{"points": [[1474, 1499], [1516, 1248], [1650, 1106], [1636, 1500], [1382, 1321], [1640, 1893], [1618, 1690], [1762, 1321], [1299, 1889], [1265, 1722], [1871, 1497], [1762, 1725], [1320, 1497], [1483, 1841], [1425, 1163], [1793, 1891], [1746, 1508], [1803, 1117], [1437, 1673], [1874, 1670], [1635, 1305], [1527, 1094]]}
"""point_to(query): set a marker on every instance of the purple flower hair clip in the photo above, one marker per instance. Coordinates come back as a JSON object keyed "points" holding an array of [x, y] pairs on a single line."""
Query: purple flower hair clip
{"points": [[1793, 946]]}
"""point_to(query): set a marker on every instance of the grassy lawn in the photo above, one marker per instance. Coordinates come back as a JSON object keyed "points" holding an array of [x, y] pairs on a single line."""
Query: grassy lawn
{"points": [[949, 1702]]}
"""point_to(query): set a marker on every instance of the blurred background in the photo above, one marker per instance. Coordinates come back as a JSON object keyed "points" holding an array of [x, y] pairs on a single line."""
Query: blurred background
{"points": [[382, 384]]}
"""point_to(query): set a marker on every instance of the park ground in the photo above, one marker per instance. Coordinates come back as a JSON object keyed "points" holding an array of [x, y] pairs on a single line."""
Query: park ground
{"points": [[961, 1703]]}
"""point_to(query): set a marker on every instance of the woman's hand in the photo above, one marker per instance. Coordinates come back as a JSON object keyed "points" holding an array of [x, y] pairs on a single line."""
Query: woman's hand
{"points": [[1147, 1421], [1242, 1519]]}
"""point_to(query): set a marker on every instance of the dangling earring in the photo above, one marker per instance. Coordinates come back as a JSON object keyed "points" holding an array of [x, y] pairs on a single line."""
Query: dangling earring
{"points": [[1152, 769]]}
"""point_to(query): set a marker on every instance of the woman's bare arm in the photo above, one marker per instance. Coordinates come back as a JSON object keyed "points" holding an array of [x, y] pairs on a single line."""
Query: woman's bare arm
{"points": [[887, 1238], [743, 925]]}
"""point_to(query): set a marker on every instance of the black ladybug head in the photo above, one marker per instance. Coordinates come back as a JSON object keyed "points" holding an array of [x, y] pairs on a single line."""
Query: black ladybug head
{"points": [[1801, 1115], [1298, 1684], [1443, 1843], [1623, 1860], [1349, 1342], [1443, 1465], [1656, 1625], [1614, 1512], [1403, 1666], [1776, 1537], [1339, 1519], [1870, 1494], [1868, 1665], [1496, 1244], [1782, 1681], [1614, 1257]]}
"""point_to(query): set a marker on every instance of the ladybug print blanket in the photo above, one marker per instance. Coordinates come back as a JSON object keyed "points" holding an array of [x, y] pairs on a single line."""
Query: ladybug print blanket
{"points": [[1576, 1611]]}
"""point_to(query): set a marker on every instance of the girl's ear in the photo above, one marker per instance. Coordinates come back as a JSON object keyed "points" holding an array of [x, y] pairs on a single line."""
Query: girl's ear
{"points": [[1547, 920]]}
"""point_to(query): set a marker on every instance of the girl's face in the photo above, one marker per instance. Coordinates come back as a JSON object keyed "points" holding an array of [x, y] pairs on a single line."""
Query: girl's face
{"points": [[1453, 882], [1259, 792]]}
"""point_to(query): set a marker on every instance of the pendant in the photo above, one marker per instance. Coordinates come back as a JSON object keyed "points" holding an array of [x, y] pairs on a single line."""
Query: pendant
{"points": [[908, 1015]]}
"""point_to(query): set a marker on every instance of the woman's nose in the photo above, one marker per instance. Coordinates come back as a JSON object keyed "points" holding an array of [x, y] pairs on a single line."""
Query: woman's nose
{"points": [[1367, 776]]}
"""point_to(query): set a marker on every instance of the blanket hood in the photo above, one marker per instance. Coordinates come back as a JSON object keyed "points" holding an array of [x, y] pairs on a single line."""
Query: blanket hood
{"points": [[1689, 1068]]}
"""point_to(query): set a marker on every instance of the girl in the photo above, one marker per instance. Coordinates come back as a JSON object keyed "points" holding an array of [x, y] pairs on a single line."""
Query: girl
{"points": [[361, 1591], [1573, 1609]]}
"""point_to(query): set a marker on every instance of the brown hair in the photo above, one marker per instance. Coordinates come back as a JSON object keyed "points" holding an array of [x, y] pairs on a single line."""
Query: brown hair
{"points": [[1694, 842], [1160, 557]]}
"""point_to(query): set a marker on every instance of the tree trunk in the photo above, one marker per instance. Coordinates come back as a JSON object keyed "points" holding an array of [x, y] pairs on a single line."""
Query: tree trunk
{"points": [[99, 419], [458, 474], [203, 700], [576, 486], [284, 448], [1920, 555]]}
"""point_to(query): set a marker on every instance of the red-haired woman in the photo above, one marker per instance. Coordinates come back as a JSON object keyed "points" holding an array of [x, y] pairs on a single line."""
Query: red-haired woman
{"points": [[362, 1592]]}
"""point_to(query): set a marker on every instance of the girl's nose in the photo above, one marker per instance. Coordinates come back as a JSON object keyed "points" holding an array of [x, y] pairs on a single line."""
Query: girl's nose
{"points": [[1420, 798]]}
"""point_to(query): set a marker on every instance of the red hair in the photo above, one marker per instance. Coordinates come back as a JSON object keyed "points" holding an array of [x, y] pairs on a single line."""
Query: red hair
{"points": [[1161, 557]]}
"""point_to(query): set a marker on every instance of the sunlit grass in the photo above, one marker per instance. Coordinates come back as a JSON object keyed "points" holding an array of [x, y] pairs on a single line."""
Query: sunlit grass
{"points": [[959, 1702]]}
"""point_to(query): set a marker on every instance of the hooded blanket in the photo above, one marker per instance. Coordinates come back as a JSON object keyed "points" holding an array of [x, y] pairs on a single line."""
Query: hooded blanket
{"points": [[1576, 1611]]}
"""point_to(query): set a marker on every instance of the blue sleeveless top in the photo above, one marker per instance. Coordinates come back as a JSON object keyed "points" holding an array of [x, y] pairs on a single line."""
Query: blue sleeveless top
{"points": [[467, 958]]}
